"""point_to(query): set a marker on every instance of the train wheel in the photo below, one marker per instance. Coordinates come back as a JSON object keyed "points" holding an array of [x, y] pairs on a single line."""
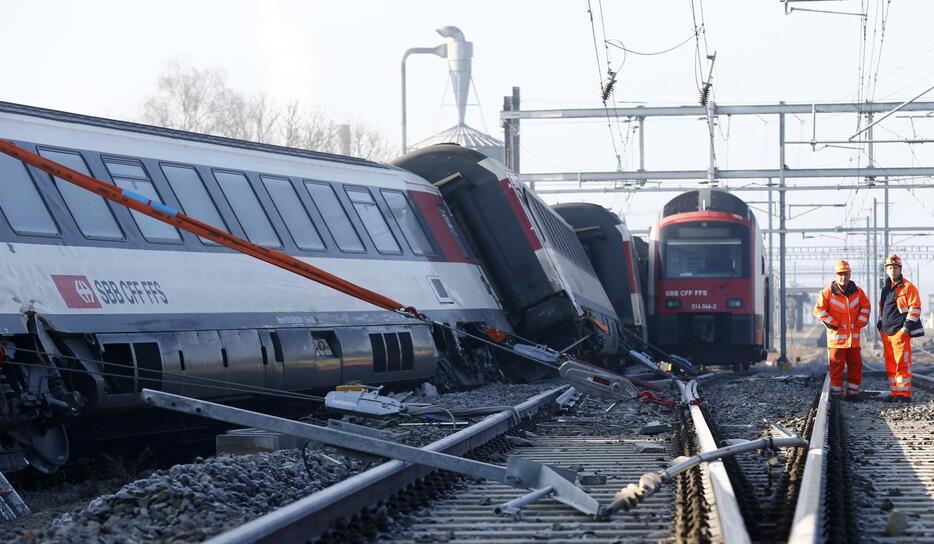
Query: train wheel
{"points": [[48, 447]]}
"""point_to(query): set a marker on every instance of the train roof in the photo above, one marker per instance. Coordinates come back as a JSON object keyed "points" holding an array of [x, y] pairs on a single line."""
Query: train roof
{"points": [[585, 214], [87, 120], [716, 200]]}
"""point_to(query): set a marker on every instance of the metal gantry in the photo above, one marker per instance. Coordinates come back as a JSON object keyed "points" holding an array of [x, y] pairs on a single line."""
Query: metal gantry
{"points": [[635, 181]]}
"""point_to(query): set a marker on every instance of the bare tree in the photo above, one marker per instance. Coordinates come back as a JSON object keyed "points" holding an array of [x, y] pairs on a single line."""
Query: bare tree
{"points": [[199, 100]]}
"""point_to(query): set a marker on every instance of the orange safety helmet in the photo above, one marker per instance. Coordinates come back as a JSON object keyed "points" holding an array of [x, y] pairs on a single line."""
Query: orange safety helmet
{"points": [[841, 267], [893, 260]]}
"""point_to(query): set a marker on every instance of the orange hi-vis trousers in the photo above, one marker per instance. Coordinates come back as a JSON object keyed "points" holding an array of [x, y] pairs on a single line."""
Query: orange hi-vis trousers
{"points": [[897, 348], [853, 361]]}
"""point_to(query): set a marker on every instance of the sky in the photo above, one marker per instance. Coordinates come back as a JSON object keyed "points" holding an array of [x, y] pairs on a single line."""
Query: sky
{"points": [[103, 58]]}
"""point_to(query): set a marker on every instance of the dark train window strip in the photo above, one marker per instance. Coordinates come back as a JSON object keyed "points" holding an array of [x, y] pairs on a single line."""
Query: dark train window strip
{"points": [[393, 352], [379, 352], [120, 359], [149, 363], [277, 347], [408, 351]]}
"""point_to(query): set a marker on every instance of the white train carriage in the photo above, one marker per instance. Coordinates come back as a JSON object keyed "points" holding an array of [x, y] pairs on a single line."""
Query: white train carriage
{"points": [[98, 300]]}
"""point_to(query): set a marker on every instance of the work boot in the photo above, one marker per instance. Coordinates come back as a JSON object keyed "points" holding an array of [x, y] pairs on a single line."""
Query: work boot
{"points": [[891, 399], [854, 397]]}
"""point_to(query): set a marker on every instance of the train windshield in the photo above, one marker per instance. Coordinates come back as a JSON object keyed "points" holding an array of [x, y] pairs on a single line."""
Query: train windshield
{"points": [[705, 249]]}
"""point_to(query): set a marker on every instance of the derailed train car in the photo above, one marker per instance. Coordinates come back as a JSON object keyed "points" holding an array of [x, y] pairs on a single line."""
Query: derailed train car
{"points": [[612, 252], [707, 298], [98, 302], [538, 268]]}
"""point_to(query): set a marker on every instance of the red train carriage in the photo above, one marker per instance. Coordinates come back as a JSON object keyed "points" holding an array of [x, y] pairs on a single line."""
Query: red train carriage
{"points": [[708, 298]]}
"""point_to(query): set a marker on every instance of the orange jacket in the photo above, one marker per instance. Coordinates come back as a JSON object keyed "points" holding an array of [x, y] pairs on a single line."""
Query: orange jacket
{"points": [[844, 312]]}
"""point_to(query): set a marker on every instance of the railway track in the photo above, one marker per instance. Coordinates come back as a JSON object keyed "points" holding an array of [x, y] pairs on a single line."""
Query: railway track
{"points": [[871, 473], [866, 475], [406, 503]]}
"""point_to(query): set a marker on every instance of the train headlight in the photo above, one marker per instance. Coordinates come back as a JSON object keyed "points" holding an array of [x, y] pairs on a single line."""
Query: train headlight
{"points": [[734, 303], [673, 303]]}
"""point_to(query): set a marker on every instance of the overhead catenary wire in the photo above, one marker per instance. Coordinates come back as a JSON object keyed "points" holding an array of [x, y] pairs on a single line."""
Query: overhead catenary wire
{"points": [[620, 45], [609, 91], [605, 88]]}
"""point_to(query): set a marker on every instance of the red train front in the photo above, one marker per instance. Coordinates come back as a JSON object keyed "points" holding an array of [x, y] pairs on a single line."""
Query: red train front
{"points": [[708, 298]]}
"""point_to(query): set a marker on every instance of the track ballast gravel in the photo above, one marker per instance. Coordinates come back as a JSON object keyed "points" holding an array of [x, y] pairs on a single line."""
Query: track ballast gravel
{"points": [[192, 502]]}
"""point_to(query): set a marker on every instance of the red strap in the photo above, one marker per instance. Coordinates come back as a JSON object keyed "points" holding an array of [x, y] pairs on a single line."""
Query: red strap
{"points": [[165, 214], [648, 398]]}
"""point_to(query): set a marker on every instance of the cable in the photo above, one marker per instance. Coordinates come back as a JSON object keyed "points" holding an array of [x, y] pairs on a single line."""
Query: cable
{"points": [[284, 394], [596, 51], [608, 90], [875, 75], [224, 384], [619, 45], [699, 69]]}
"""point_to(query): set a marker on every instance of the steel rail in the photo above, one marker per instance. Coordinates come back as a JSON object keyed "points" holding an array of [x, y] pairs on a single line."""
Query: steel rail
{"points": [[807, 525], [732, 527], [317, 513]]}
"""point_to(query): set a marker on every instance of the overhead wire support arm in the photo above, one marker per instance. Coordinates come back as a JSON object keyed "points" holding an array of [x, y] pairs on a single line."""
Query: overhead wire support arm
{"points": [[891, 112]]}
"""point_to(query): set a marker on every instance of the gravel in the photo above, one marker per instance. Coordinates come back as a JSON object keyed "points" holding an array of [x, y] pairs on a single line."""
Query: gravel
{"points": [[192, 502], [742, 405]]}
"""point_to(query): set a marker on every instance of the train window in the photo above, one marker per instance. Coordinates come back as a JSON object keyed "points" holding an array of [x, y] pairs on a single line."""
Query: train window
{"points": [[294, 214], [449, 221], [335, 217], [247, 208], [133, 178], [126, 169], [20, 201], [407, 220], [699, 250], [373, 220], [193, 196], [91, 213]]}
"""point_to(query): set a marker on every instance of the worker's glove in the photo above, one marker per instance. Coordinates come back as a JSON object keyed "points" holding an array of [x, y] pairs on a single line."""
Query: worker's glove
{"points": [[879, 325]]}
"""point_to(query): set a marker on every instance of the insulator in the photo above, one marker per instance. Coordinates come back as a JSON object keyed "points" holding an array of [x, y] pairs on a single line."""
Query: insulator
{"points": [[705, 94], [608, 89]]}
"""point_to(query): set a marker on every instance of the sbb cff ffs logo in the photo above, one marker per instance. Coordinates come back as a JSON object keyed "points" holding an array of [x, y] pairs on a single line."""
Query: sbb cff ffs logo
{"points": [[80, 292]]}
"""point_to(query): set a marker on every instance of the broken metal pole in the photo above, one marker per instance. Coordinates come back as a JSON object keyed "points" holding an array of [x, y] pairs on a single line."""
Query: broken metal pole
{"points": [[519, 473]]}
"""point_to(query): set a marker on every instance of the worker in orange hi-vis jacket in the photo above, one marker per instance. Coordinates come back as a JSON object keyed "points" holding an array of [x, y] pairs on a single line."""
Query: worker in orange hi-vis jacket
{"points": [[899, 321], [844, 309]]}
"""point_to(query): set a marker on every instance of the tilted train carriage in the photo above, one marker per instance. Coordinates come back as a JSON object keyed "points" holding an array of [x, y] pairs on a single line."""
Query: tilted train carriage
{"points": [[97, 301], [540, 271]]}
